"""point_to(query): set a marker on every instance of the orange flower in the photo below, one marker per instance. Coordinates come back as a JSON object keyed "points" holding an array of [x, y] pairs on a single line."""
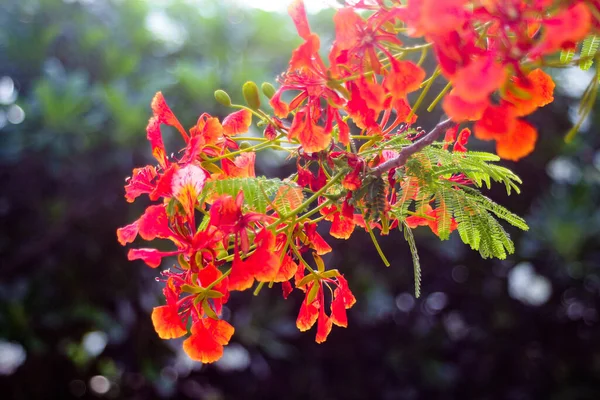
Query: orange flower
{"points": [[309, 313], [461, 110], [167, 322], [312, 137], [461, 141], [343, 299], [518, 143], [529, 93], [565, 28], [241, 167], [207, 340], [315, 241], [262, 265], [432, 219], [496, 122], [140, 182], [237, 122], [479, 79], [164, 115], [404, 77]]}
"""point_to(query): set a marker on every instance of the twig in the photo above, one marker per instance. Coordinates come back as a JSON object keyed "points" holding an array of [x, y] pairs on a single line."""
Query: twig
{"points": [[417, 146]]}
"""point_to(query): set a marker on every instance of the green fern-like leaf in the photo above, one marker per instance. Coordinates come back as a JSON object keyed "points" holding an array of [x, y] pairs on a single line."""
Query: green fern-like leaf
{"points": [[408, 235], [588, 51], [255, 190], [566, 56], [477, 225]]}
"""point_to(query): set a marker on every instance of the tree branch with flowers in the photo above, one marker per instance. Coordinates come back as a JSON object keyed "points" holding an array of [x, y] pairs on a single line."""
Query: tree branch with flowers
{"points": [[361, 162]]}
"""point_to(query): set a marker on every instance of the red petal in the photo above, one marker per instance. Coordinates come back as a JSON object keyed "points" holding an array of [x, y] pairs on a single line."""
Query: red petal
{"points": [[220, 329], [154, 136], [404, 77], [338, 312], [241, 277], [163, 185], [141, 182], [316, 241], [312, 137], [164, 115], [463, 110], [154, 223], [537, 91], [207, 340], [187, 183], [152, 257], [307, 316], [237, 122], [323, 327], [225, 213], [348, 26], [479, 79], [518, 143], [287, 269], [241, 167], [264, 261], [461, 141], [298, 13], [341, 227], [286, 287], [570, 26], [496, 122], [167, 322], [127, 234]]}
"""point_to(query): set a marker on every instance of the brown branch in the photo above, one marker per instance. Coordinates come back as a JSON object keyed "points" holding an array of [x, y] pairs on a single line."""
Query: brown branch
{"points": [[417, 146]]}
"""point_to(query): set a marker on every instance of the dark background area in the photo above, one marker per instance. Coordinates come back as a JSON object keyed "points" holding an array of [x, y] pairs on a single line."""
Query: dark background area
{"points": [[76, 79]]}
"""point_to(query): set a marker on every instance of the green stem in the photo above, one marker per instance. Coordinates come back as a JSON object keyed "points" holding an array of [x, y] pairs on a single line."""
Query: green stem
{"points": [[256, 147], [219, 279], [439, 97], [376, 243], [302, 261], [423, 93], [312, 198]]}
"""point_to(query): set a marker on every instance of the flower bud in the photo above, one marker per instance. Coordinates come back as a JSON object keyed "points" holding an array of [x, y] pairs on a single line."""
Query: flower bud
{"points": [[268, 89], [250, 92], [222, 97]]}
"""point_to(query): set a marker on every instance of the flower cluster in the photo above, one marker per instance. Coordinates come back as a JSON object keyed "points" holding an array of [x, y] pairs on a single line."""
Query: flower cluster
{"points": [[231, 231]]}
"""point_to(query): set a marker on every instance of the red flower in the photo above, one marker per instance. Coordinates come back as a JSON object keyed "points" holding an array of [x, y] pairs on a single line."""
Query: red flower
{"points": [[432, 218], [313, 310], [241, 167], [237, 122], [164, 115], [167, 322], [262, 265], [207, 340]]}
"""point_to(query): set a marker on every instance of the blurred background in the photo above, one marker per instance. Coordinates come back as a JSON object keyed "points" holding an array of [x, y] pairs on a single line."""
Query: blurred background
{"points": [[76, 80]]}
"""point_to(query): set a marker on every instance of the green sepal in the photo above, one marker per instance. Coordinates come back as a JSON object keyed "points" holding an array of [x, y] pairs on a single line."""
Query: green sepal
{"points": [[208, 310], [191, 289], [313, 293], [213, 294], [183, 262], [332, 273], [305, 280]]}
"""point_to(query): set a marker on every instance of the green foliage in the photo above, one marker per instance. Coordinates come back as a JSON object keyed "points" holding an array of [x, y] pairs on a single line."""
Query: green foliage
{"points": [[587, 53], [259, 193], [589, 48], [427, 180], [566, 56], [408, 235]]}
